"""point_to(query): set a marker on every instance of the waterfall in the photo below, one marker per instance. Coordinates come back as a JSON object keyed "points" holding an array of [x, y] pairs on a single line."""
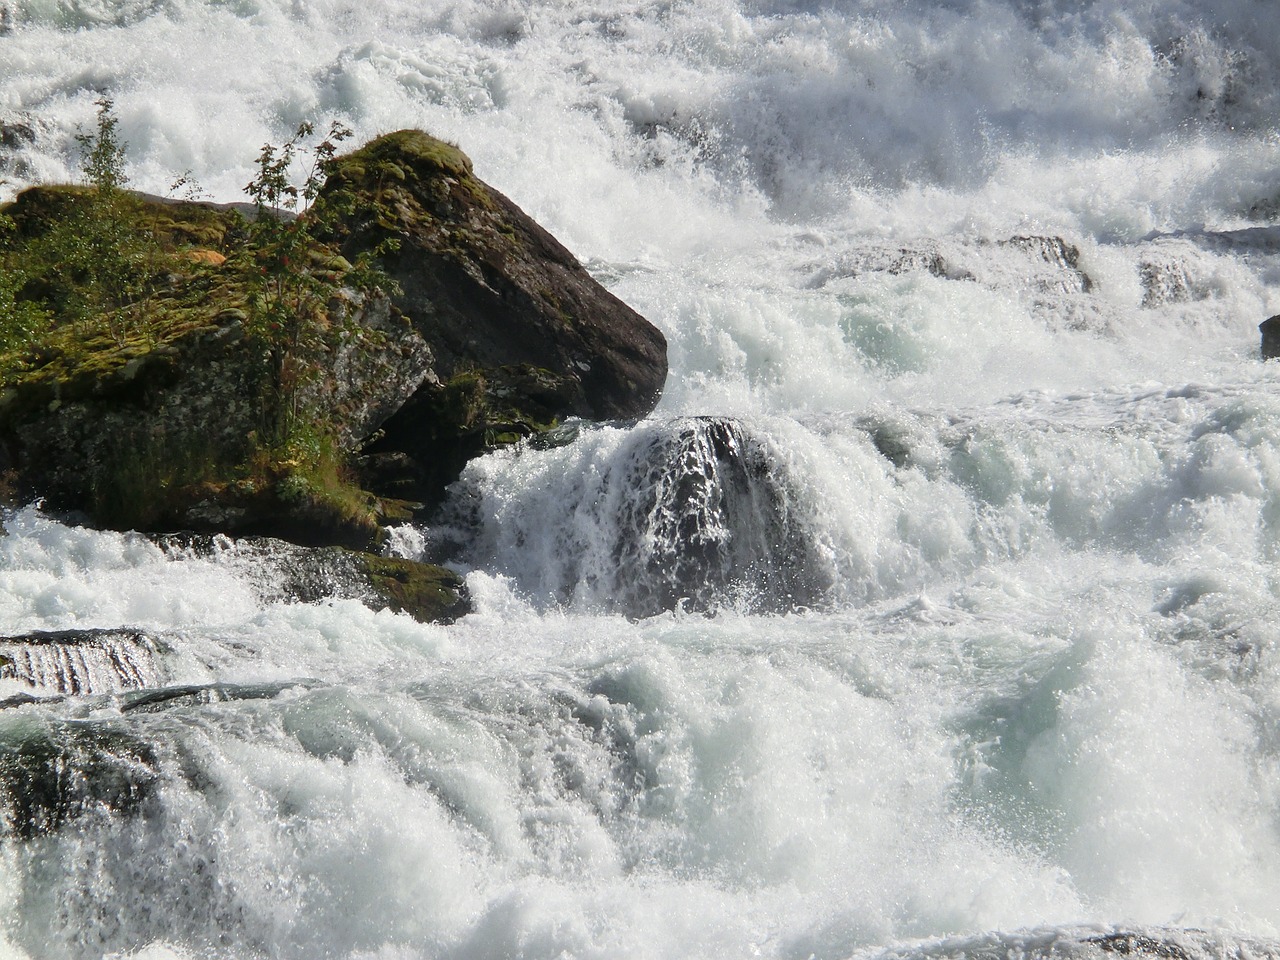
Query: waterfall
{"points": [[80, 661], [932, 615], [695, 513]]}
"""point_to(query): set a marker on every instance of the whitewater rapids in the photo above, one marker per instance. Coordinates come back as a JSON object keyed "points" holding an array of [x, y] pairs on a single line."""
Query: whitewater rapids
{"points": [[932, 614]]}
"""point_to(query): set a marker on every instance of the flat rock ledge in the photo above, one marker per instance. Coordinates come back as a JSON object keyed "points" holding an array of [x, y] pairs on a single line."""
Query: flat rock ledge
{"points": [[286, 572]]}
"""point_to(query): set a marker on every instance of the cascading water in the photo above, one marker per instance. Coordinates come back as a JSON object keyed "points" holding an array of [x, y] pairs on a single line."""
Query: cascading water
{"points": [[70, 661], [932, 614], [675, 514]]}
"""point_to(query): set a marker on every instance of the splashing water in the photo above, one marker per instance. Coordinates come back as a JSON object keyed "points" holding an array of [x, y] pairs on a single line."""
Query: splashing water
{"points": [[931, 614]]}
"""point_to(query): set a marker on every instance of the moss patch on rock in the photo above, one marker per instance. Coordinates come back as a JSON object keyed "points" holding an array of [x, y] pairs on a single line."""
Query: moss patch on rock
{"points": [[163, 409], [287, 572], [424, 591]]}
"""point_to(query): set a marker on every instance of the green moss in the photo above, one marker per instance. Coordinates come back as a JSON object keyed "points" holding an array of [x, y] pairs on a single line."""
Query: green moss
{"points": [[195, 225], [407, 150], [106, 274], [317, 489], [392, 511], [398, 177], [462, 401], [187, 310], [480, 410], [426, 592], [173, 226], [73, 361], [36, 210]]}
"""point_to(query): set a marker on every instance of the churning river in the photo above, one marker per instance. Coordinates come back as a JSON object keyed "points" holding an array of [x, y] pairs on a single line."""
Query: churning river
{"points": [[935, 612]]}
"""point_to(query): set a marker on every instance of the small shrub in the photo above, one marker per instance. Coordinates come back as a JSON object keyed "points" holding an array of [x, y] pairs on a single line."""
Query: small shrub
{"points": [[88, 264], [293, 267], [289, 298], [102, 153]]}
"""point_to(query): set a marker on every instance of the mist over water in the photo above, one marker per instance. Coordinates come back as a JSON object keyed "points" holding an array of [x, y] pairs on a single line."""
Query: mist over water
{"points": [[932, 613]]}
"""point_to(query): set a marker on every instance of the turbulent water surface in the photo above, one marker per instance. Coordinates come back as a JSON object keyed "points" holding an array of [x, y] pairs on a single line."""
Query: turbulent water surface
{"points": [[932, 614]]}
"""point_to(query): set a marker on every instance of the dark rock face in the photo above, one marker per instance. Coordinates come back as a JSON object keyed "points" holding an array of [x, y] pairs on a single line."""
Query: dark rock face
{"points": [[57, 772], [1270, 330], [490, 289], [520, 333]]}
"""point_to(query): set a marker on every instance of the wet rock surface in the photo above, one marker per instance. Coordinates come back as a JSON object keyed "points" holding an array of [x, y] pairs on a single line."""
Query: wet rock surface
{"points": [[286, 572], [1270, 330], [56, 772], [97, 660]]}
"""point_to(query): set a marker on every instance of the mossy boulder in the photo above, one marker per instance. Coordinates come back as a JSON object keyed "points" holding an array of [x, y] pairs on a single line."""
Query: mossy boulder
{"points": [[485, 285], [438, 321], [168, 417]]}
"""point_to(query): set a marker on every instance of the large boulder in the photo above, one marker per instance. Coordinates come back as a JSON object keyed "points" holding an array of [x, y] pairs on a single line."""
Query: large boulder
{"points": [[166, 414], [521, 334], [171, 366]]}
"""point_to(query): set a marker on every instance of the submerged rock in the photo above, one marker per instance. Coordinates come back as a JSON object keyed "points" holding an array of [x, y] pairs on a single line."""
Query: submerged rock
{"points": [[19, 133], [696, 514], [283, 571], [1270, 330], [1062, 258], [57, 771], [160, 699], [712, 522]]}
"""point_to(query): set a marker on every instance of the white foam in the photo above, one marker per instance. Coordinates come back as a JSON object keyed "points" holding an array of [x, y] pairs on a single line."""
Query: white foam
{"points": [[1039, 688]]}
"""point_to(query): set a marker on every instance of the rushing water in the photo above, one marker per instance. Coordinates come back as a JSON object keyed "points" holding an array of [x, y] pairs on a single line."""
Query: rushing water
{"points": [[934, 612]]}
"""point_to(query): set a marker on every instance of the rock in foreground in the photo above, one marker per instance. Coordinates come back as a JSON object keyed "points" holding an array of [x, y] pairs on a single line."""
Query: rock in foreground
{"points": [[176, 400]]}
